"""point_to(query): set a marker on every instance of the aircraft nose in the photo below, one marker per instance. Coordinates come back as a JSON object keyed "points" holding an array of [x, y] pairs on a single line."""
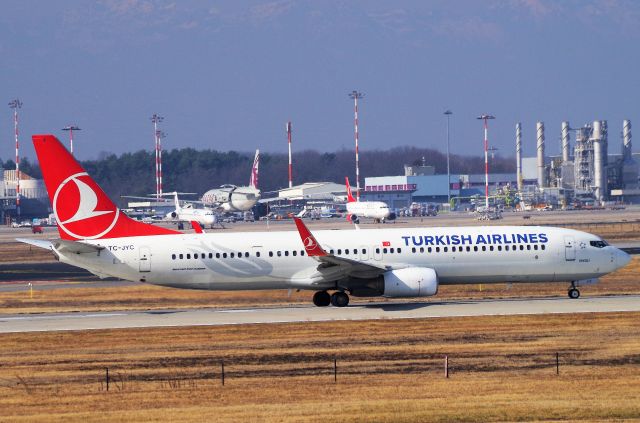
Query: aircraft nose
{"points": [[622, 258]]}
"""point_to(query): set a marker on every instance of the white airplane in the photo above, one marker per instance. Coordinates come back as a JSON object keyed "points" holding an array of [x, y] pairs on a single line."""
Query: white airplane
{"points": [[231, 198], [398, 262], [376, 210], [188, 213]]}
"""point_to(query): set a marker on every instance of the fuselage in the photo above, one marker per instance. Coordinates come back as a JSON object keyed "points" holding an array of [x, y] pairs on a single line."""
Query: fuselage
{"points": [[232, 198], [273, 260], [371, 209]]}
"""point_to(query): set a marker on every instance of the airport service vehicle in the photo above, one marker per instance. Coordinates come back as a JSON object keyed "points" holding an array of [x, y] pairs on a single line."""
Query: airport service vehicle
{"points": [[188, 213], [398, 262], [232, 198], [376, 210]]}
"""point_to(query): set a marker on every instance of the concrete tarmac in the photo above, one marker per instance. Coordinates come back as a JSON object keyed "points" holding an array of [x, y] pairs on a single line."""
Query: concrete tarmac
{"points": [[371, 311]]}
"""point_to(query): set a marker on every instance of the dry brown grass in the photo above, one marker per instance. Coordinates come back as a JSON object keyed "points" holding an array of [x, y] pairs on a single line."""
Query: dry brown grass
{"points": [[502, 368]]}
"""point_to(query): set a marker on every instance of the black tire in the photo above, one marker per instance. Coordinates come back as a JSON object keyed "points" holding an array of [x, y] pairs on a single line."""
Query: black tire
{"points": [[339, 299], [574, 293], [321, 299]]}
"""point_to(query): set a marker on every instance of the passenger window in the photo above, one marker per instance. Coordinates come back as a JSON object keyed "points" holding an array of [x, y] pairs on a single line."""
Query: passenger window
{"points": [[384, 251], [468, 248], [346, 251], [399, 250], [422, 249], [270, 253], [535, 247], [491, 248], [246, 254], [286, 253], [475, 248], [302, 252], [499, 247], [339, 251], [542, 247], [173, 256], [413, 250], [364, 251], [453, 249], [231, 255], [181, 256], [445, 249], [279, 253], [430, 249], [377, 250], [330, 251], [224, 255], [391, 250], [195, 255], [257, 253], [188, 256], [528, 246], [521, 247], [437, 249], [217, 255]]}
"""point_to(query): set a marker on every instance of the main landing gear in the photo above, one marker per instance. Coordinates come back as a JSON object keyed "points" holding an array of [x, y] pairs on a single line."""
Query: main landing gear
{"points": [[337, 299], [573, 293]]}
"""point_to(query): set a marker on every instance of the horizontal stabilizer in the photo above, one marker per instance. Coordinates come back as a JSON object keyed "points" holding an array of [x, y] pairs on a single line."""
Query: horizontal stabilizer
{"points": [[40, 243]]}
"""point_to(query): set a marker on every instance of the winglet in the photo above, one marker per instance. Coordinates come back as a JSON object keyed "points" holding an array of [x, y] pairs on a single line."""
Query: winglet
{"points": [[311, 246], [196, 227]]}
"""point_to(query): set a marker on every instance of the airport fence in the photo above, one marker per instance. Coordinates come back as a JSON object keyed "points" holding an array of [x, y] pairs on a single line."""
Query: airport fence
{"points": [[180, 373]]}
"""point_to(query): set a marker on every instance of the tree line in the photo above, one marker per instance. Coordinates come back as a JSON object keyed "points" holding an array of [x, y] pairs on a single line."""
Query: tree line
{"points": [[190, 170]]}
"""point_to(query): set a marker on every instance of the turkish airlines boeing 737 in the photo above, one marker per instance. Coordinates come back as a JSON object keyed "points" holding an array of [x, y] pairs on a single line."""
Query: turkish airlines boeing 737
{"points": [[402, 262]]}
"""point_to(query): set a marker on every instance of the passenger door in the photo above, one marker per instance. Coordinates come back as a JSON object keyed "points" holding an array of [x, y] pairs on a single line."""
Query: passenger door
{"points": [[569, 248]]}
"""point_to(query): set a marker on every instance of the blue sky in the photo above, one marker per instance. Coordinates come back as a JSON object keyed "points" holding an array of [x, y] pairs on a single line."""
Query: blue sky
{"points": [[229, 74]]}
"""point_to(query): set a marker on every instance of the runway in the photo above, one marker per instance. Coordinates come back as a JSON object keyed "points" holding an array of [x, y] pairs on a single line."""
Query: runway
{"points": [[369, 311]]}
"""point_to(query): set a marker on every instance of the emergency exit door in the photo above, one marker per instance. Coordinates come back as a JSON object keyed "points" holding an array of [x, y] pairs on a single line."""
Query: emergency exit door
{"points": [[569, 248]]}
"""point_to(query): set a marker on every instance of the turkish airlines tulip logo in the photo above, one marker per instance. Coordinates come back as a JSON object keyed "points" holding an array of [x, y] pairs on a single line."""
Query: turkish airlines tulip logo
{"points": [[310, 243], [79, 211]]}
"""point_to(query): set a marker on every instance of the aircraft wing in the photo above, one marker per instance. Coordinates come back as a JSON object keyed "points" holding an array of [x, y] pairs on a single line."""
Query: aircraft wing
{"points": [[343, 266]]}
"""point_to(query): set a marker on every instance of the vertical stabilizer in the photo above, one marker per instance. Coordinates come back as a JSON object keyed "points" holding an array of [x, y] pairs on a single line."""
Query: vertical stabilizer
{"points": [[253, 182]]}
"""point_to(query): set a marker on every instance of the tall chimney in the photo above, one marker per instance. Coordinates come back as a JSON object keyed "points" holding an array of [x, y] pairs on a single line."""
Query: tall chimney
{"points": [[626, 139], [542, 179], [565, 142], [519, 155], [599, 138]]}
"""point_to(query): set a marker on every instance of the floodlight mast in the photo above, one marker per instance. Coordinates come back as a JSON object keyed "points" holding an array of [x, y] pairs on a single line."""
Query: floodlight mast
{"points": [[355, 95], [157, 119], [71, 128], [15, 105], [486, 118]]}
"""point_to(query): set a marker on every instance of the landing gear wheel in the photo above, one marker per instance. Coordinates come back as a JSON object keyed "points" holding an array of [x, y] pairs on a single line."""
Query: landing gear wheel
{"points": [[339, 299], [574, 293], [321, 299]]}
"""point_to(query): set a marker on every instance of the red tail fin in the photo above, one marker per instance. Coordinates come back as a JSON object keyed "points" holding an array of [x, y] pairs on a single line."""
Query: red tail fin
{"points": [[253, 182], [308, 240], [350, 198], [82, 209]]}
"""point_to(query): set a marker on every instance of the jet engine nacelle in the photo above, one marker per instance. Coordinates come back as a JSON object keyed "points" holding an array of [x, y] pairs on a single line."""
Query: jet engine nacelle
{"points": [[174, 214], [354, 218], [410, 282], [392, 216]]}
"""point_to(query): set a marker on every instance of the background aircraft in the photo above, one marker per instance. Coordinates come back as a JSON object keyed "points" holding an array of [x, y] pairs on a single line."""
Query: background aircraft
{"points": [[232, 198], [377, 210]]}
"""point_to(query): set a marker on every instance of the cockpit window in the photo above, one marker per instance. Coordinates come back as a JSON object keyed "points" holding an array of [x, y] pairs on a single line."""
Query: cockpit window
{"points": [[598, 244]]}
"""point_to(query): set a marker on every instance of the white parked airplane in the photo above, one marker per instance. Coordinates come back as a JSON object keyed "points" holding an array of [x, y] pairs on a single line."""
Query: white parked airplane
{"points": [[398, 262], [376, 210], [188, 213], [231, 198]]}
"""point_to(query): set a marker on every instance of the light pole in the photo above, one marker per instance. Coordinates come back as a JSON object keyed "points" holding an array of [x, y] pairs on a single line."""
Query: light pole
{"points": [[448, 114], [355, 95], [15, 105], [71, 128], [485, 118]]}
